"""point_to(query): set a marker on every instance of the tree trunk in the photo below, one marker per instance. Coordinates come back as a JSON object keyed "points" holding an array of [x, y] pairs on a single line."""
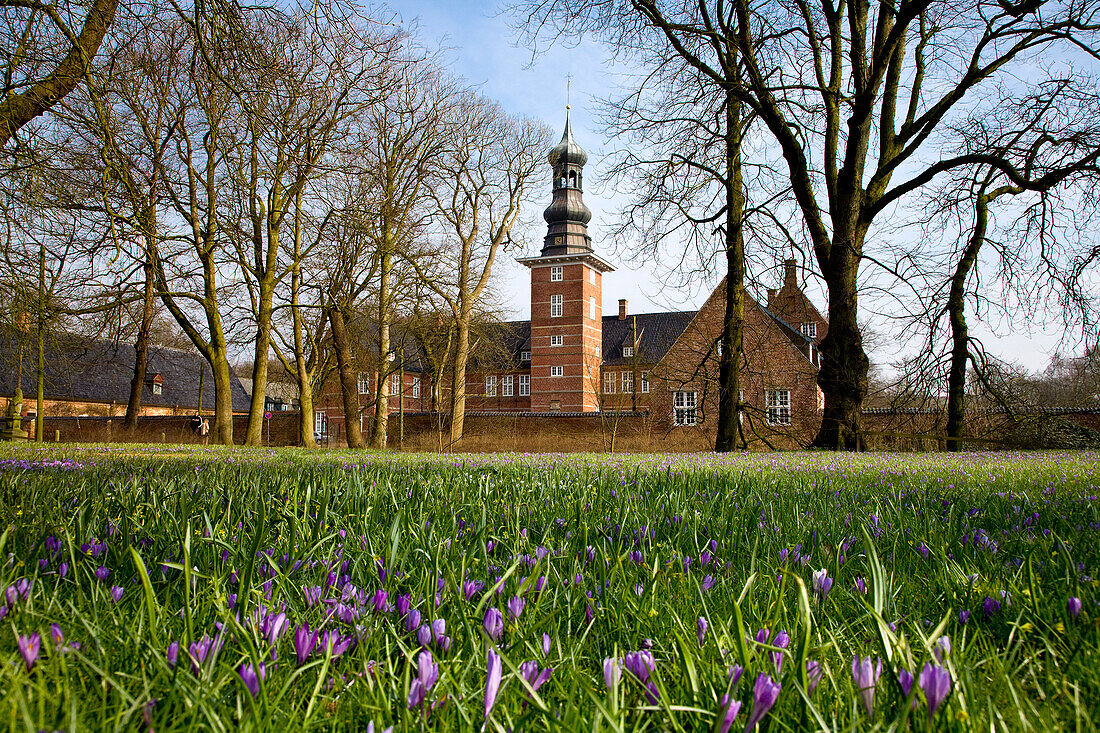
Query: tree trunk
{"points": [[141, 351], [458, 379], [729, 361], [382, 401], [223, 396], [844, 364], [349, 382], [261, 355], [956, 312]]}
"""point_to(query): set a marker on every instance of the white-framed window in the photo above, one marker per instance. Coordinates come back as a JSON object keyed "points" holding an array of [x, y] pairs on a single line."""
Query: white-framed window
{"points": [[558, 340], [628, 351], [592, 276], [556, 272], [320, 423], [395, 383], [557, 371], [809, 330], [592, 307], [158, 388], [525, 356], [491, 386], [645, 382], [778, 404], [609, 383], [628, 382], [416, 387], [524, 385], [555, 306], [364, 383], [506, 385], [685, 408]]}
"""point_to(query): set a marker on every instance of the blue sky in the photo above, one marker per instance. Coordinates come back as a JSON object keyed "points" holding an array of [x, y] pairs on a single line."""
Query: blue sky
{"points": [[482, 49]]}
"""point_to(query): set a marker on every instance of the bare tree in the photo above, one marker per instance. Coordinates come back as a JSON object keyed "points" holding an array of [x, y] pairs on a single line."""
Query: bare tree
{"points": [[488, 169], [44, 57]]}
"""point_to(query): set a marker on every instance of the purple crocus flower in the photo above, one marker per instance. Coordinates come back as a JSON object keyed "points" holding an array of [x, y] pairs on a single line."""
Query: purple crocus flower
{"points": [[116, 593], [728, 708], [173, 653], [822, 583], [535, 678], [379, 601], [866, 677], [936, 683], [781, 640], [424, 635], [861, 585], [494, 670], [701, 630], [101, 573], [641, 664], [251, 677], [304, 642], [336, 643], [412, 620], [515, 607], [427, 672], [964, 616], [199, 651], [764, 695], [29, 646], [612, 672], [734, 674], [1073, 605], [471, 588], [814, 672], [942, 648], [494, 624], [990, 607], [905, 679], [546, 645]]}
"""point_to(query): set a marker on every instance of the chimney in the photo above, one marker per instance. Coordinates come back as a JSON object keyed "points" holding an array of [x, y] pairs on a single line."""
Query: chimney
{"points": [[772, 292], [622, 309], [790, 276]]}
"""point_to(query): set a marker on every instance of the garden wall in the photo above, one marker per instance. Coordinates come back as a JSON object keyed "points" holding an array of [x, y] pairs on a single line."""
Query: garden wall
{"points": [[158, 429]]}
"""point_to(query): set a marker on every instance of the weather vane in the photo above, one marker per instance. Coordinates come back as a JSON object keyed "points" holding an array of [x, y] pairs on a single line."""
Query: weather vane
{"points": [[568, 81]]}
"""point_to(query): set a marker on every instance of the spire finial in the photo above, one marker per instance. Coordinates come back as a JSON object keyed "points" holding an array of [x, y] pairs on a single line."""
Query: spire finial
{"points": [[568, 83]]}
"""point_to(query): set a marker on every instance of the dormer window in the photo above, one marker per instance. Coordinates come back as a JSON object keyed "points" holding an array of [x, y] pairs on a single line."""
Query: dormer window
{"points": [[809, 330], [525, 356], [156, 383], [628, 351]]}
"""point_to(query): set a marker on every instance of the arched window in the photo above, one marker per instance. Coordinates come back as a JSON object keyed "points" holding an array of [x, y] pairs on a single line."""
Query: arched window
{"points": [[572, 179]]}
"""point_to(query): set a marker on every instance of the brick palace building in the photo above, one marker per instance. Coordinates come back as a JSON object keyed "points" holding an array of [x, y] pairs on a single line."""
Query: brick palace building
{"points": [[570, 359]]}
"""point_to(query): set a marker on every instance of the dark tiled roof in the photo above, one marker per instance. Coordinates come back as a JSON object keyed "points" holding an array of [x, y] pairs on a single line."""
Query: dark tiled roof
{"points": [[89, 370], [656, 334]]}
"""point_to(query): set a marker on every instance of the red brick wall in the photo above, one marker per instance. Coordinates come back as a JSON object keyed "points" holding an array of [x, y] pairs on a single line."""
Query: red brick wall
{"points": [[581, 351]]}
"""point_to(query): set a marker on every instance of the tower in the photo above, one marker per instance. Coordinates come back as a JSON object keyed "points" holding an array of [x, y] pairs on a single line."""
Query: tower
{"points": [[566, 293]]}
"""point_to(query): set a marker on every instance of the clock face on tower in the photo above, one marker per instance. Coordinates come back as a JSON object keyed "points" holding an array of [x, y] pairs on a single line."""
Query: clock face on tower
{"points": [[559, 240]]}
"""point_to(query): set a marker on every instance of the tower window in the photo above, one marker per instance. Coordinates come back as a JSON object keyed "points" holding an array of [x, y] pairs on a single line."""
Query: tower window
{"points": [[557, 371], [572, 179], [556, 274], [557, 340], [809, 330]]}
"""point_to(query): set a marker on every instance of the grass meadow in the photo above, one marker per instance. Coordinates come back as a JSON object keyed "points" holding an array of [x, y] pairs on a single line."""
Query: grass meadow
{"points": [[163, 588]]}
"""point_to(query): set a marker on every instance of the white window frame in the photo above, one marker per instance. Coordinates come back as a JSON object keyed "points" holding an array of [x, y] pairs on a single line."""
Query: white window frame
{"points": [[557, 273], [506, 385], [491, 386], [525, 385], [685, 408], [416, 387], [557, 371], [395, 383], [808, 329], [158, 388], [557, 340], [609, 382], [628, 352], [556, 306], [364, 383], [777, 403], [628, 382], [525, 356], [645, 382], [320, 422]]}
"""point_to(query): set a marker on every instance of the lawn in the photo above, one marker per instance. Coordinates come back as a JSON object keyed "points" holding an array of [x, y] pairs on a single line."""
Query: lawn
{"points": [[175, 588]]}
